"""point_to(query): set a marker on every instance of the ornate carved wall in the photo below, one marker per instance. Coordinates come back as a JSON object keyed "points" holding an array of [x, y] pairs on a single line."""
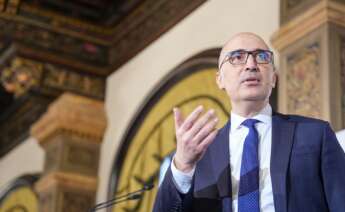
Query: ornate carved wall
{"points": [[311, 59], [302, 76], [76, 44]]}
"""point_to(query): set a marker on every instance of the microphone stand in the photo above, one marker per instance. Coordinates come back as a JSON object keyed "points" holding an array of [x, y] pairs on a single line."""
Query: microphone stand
{"points": [[130, 196]]}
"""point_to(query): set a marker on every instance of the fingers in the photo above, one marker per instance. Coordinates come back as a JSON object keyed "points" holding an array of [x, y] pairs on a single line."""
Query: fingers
{"points": [[178, 118], [191, 118], [193, 135], [202, 122], [207, 141], [206, 129]]}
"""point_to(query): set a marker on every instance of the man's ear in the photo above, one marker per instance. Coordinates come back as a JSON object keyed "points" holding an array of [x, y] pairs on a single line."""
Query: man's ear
{"points": [[219, 80], [275, 79]]}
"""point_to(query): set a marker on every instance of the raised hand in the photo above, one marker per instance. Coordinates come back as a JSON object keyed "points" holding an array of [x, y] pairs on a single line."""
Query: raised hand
{"points": [[193, 134]]}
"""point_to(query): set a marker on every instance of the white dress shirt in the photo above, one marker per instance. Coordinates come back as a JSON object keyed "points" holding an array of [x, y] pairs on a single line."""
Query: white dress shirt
{"points": [[237, 136], [341, 138]]}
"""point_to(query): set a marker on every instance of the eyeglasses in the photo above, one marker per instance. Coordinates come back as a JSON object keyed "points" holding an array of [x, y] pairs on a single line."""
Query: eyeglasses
{"points": [[240, 57]]}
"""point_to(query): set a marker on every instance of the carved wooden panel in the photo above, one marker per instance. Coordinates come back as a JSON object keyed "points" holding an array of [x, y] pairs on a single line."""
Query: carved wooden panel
{"points": [[40, 38], [46, 202], [289, 9], [76, 201], [303, 81], [63, 79], [81, 156], [70, 132], [52, 158], [58, 197]]}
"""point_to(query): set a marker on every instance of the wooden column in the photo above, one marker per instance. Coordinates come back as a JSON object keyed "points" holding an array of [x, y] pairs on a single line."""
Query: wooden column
{"points": [[70, 132], [311, 43]]}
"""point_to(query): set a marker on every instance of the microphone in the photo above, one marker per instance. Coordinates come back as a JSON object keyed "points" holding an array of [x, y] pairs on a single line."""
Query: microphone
{"points": [[130, 196]]}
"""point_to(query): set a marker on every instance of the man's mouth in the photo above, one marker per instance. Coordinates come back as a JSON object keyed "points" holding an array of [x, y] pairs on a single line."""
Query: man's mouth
{"points": [[251, 80]]}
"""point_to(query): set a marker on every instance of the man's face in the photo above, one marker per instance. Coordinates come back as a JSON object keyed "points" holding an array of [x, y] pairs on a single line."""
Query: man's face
{"points": [[250, 81]]}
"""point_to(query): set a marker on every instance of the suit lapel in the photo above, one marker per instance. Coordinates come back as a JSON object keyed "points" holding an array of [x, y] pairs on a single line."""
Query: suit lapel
{"points": [[282, 140], [221, 162]]}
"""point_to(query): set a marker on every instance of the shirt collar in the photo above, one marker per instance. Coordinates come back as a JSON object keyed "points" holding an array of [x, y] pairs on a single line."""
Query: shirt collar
{"points": [[264, 116]]}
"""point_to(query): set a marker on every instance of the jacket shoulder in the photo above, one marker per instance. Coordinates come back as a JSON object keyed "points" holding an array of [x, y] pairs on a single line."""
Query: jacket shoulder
{"points": [[301, 119]]}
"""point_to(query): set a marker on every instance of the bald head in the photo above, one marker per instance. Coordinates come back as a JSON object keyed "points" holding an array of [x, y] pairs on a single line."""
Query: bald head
{"points": [[243, 40]]}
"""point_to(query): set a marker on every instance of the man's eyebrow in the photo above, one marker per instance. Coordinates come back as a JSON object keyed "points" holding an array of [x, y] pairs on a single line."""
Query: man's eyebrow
{"points": [[258, 49], [234, 51], [239, 50]]}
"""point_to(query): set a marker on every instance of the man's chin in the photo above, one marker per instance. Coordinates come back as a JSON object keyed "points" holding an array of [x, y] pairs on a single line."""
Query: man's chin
{"points": [[254, 98]]}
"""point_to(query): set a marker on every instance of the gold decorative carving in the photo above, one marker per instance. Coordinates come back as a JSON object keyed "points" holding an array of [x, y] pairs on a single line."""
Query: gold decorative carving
{"points": [[323, 12], [21, 75], [56, 59], [72, 114], [60, 78], [303, 81], [12, 6]]}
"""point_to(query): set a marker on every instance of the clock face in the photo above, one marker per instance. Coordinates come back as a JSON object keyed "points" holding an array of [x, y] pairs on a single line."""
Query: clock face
{"points": [[151, 137]]}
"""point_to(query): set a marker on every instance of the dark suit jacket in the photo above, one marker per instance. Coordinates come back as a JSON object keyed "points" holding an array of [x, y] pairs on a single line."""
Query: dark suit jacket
{"points": [[307, 171]]}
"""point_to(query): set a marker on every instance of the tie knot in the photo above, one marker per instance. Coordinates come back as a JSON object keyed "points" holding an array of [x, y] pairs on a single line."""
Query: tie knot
{"points": [[250, 122]]}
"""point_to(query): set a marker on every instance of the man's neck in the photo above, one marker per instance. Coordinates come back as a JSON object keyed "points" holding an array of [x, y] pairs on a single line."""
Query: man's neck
{"points": [[248, 109]]}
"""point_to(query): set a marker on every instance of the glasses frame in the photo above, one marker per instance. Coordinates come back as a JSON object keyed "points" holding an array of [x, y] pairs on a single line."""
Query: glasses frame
{"points": [[253, 53]]}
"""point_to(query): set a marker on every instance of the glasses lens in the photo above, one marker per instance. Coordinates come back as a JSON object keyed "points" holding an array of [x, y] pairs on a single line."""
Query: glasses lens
{"points": [[238, 57], [263, 56]]}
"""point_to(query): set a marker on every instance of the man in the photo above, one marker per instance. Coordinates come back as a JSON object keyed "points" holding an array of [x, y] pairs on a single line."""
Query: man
{"points": [[259, 161]]}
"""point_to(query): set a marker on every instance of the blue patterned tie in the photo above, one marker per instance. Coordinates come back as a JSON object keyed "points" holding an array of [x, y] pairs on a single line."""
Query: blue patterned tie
{"points": [[248, 195]]}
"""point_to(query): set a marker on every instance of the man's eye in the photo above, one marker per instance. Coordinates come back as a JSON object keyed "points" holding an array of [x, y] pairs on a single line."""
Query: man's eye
{"points": [[237, 56], [263, 56]]}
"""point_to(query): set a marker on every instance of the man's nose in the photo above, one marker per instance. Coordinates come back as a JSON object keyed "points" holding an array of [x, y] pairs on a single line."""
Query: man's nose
{"points": [[251, 63]]}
